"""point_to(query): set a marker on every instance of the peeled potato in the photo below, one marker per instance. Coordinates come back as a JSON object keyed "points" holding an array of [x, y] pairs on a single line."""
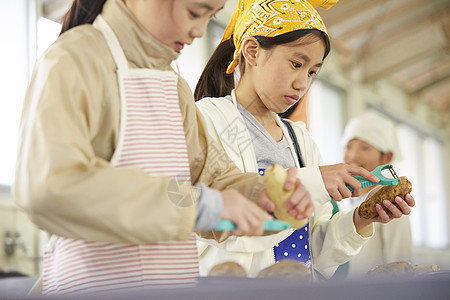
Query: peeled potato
{"points": [[274, 177]]}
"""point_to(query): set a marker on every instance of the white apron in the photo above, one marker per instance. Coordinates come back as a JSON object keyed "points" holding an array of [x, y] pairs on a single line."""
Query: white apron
{"points": [[152, 138]]}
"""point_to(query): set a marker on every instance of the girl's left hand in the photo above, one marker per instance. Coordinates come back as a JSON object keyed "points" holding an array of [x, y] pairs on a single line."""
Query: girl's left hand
{"points": [[393, 212], [299, 205]]}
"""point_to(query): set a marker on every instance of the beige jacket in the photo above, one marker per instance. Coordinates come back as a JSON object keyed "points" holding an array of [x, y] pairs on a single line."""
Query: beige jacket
{"points": [[70, 128]]}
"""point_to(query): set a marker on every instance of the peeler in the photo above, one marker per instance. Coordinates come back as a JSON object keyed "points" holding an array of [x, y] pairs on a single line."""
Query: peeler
{"points": [[274, 225], [383, 180]]}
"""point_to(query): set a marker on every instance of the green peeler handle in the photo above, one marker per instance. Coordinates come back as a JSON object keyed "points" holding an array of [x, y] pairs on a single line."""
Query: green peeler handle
{"points": [[275, 225], [377, 172], [364, 181]]}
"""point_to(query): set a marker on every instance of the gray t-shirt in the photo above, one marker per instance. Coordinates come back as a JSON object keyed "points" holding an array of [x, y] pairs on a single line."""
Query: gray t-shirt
{"points": [[267, 150]]}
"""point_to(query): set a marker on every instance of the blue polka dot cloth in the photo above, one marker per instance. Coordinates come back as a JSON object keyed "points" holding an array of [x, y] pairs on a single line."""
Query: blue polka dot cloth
{"points": [[294, 247]]}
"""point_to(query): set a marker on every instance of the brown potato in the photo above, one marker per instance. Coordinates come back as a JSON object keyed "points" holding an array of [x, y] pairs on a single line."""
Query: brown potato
{"points": [[393, 268], [367, 209], [427, 268], [401, 268], [274, 178], [228, 269], [288, 269]]}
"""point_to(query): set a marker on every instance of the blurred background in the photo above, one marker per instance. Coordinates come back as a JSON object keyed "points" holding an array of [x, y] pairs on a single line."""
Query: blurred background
{"points": [[389, 56]]}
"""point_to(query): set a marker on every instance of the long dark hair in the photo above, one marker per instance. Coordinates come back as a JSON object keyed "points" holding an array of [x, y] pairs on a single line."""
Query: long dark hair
{"points": [[214, 82], [81, 12]]}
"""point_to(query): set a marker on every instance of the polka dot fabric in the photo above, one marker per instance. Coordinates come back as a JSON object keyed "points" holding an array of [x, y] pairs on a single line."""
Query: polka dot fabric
{"points": [[294, 247]]}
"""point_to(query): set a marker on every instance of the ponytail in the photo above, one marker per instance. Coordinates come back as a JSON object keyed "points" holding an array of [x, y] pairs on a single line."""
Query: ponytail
{"points": [[81, 12], [214, 82]]}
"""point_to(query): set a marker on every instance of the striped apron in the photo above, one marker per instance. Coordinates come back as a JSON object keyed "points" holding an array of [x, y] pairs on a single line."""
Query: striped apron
{"points": [[152, 138]]}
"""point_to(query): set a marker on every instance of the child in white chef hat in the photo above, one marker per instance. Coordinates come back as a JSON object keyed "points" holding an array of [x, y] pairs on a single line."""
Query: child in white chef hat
{"points": [[371, 140]]}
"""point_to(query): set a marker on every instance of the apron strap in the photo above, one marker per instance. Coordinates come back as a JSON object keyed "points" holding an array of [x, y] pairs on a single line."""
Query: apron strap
{"points": [[112, 41]]}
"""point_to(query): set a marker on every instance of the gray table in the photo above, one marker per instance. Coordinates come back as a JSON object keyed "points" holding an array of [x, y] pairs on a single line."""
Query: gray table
{"points": [[423, 287], [16, 287]]}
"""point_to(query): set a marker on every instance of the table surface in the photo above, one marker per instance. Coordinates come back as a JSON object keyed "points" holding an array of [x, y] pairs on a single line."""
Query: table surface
{"points": [[427, 286]]}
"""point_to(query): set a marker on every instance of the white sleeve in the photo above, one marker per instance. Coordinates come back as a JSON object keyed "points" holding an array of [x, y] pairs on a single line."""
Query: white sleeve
{"points": [[335, 241]]}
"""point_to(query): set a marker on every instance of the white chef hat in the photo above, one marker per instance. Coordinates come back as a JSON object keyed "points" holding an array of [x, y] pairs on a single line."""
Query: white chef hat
{"points": [[376, 130]]}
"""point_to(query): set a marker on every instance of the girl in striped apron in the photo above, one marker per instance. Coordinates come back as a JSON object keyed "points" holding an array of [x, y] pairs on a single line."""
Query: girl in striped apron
{"points": [[149, 98], [112, 152]]}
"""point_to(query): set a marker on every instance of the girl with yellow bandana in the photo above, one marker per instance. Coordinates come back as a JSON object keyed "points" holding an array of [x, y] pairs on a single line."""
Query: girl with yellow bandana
{"points": [[274, 49]]}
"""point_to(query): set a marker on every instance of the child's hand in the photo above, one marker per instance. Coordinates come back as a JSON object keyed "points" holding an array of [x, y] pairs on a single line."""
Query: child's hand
{"points": [[385, 217], [394, 212], [248, 216], [335, 177], [299, 205]]}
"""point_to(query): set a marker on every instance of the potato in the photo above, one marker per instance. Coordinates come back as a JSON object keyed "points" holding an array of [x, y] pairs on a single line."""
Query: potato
{"points": [[401, 268], [228, 269], [287, 269], [367, 209], [274, 178], [426, 268], [391, 269]]}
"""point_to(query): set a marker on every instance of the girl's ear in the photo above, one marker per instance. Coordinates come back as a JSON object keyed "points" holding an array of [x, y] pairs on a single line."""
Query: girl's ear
{"points": [[250, 50]]}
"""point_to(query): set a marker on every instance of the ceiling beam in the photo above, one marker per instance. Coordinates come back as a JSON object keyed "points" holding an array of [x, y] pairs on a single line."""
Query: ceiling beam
{"points": [[444, 80], [428, 14], [428, 74], [342, 11], [425, 41], [382, 19]]}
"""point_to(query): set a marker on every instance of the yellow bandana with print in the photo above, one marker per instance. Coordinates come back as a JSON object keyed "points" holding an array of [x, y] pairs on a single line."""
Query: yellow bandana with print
{"points": [[270, 18]]}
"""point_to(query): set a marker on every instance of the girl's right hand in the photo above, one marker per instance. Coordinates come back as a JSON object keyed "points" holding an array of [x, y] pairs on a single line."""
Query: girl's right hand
{"points": [[335, 177], [248, 216]]}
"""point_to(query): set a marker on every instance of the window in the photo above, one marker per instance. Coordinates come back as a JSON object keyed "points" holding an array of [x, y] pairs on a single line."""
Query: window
{"points": [[47, 33], [433, 184], [409, 142], [326, 120], [14, 74], [17, 58], [422, 163]]}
